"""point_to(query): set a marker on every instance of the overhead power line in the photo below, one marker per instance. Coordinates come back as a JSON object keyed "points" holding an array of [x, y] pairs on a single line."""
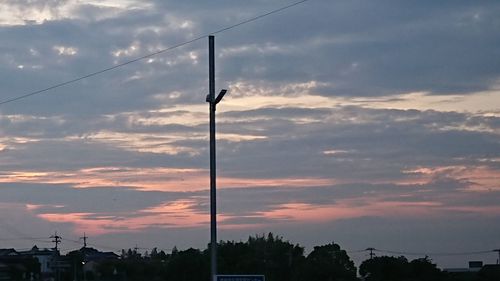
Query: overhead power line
{"points": [[93, 244], [356, 251], [34, 239], [431, 253], [71, 240], [9, 100]]}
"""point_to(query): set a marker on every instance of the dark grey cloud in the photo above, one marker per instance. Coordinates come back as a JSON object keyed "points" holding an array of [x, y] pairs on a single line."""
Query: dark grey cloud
{"points": [[32, 47], [375, 143], [365, 138], [62, 155], [359, 49], [371, 49], [58, 198], [279, 113]]}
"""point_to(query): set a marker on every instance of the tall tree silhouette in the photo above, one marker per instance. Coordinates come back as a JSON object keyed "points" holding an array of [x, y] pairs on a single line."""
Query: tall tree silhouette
{"points": [[270, 255], [328, 263]]}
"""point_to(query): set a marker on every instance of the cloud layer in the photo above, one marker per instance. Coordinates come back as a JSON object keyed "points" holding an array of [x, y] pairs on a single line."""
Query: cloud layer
{"points": [[339, 114]]}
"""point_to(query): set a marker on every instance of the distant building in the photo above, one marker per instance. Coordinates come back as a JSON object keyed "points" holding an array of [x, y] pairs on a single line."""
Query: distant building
{"points": [[92, 258], [91, 254], [4, 272], [46, 257], [48, 264], [475, 270], [52, 264], [16, 266], [8, 252], [474, 266]]}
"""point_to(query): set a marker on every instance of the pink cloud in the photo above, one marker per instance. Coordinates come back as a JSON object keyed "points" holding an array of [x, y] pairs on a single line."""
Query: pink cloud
{"points": [[152, 179], [176, 214]]}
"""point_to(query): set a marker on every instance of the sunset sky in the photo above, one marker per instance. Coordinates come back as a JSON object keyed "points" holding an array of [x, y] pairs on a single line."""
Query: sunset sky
{"points": [[368, 123]]}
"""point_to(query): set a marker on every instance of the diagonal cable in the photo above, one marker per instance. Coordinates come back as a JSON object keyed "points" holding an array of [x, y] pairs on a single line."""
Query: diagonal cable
{"points": [[9, 100]]}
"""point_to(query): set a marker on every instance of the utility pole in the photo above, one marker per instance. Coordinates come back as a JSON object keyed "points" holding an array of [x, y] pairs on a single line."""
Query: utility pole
{"points": [[56, 239], [371, 252], [498, 251], [213, 101], [84, 240]]}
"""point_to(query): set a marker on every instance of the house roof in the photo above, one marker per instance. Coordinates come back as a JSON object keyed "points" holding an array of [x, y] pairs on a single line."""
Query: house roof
{"points": [[35, 251], [91, 254], [8, 252]]}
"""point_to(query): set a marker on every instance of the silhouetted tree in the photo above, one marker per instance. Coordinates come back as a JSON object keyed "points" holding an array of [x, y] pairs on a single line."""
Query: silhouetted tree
{"points": [[158, 256], [385, 269], [132, 254], [399, 269], [328, 263], [424, 270], [270, 255], [188, 265]]}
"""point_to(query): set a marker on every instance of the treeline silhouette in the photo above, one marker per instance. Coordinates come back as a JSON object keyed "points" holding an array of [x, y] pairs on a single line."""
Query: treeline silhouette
{"points": [[277, 259], [269, 255]]}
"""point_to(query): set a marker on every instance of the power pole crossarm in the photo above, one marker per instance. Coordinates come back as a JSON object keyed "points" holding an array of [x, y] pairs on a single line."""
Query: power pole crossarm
{"points": [[371, 252], [56, 239]]}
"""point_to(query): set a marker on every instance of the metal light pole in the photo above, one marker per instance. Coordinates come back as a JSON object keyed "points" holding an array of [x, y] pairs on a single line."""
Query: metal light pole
{"points": [[213, 101]]}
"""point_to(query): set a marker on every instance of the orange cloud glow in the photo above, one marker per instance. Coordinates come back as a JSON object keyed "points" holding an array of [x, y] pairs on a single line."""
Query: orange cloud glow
{"points": [[176, 214], [185, 213], [157, 179], [346, 209]]}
